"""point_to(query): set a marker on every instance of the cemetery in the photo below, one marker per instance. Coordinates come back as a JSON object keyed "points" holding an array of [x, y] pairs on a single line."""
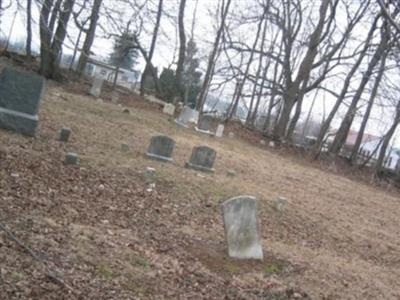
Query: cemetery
{"points": [[111, 202]]}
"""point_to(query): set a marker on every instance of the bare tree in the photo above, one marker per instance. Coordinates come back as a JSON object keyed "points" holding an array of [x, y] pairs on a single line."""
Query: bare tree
{"points": [[50, 44], [149, 68], [211, 60], [182, 47], [341, 135], [327, 123], [28, 28], [386, 140], [378, 79]]}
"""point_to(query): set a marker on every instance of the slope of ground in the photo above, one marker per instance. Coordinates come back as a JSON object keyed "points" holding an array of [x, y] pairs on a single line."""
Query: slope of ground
{"points": [[96, 228]]}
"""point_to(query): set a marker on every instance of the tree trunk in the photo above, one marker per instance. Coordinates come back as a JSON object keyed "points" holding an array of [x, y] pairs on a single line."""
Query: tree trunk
{"points": [[45, 39], [386, 140], [264, 30], [295, 90], [28, 28], [148, 67], [182, 48], [211, 60], [59, 36], [53, 17], [71, 65], [90, 35], [341, 135], [367, 113]]}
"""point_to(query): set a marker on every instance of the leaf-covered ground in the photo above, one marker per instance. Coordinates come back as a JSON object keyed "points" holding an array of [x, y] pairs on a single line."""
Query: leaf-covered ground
{"points": [[97, 232]]}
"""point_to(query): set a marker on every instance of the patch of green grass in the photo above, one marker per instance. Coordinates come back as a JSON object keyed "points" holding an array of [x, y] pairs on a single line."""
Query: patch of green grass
{"points": [[272, 269], [138, 261], [17, 276], [105, 271], [231, 268]]}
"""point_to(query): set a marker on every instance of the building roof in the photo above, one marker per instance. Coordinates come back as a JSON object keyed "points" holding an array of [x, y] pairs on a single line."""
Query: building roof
{"points": [[352, 137]]}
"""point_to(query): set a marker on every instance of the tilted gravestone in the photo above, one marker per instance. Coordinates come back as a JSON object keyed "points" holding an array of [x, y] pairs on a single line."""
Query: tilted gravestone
{"points": [[206, 123], [187, 115], [95, 90], [202, 159], [20, 95], [241, 228], [161, 148], [169, 109]]}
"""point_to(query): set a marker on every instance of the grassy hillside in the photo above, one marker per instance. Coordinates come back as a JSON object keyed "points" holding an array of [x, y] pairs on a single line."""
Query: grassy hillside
{"points": [[97, 229]]}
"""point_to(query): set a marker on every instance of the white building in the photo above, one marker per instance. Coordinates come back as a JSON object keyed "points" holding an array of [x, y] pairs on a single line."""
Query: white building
{"points": [[126, 78]]}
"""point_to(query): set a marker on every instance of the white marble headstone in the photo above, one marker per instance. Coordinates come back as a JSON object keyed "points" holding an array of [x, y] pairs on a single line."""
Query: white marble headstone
{"points": [[220, 130], [96, 87], [241, 228]]}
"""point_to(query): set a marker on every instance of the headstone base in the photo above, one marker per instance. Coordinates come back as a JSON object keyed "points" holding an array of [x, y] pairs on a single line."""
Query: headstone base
{"points": [[181, 124], [204, 131], [158, 157], [189, 165], [18, 121]]}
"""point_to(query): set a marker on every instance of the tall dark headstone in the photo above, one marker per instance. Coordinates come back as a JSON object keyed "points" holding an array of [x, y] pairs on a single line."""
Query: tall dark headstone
{"points": [[206, 123], [202, 159], [20, 95], [161, 148]]}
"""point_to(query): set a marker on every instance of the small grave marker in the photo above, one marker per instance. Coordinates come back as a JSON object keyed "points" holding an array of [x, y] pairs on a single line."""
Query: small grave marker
{"points": [[169, 109], [71, 159], [220, 130], [65, 133]]}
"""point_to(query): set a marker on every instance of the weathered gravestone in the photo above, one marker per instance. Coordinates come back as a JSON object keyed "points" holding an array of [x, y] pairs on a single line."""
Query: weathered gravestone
{"points": [[202, 159], [161, 148], [241, 228], [71, 159], [206, 123], [220, 130], [65, 134], [96, 87], [20, 95], [169, 109], [115, 97], [187, 115]]}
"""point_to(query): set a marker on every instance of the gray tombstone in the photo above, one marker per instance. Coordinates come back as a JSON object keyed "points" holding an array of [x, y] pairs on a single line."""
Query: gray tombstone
{"points": [[20, 95], [202, 159], [187, 115], [71, 159], [161, 148], [65, 134], [206, 123], [96, 87], [241, 228]]}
